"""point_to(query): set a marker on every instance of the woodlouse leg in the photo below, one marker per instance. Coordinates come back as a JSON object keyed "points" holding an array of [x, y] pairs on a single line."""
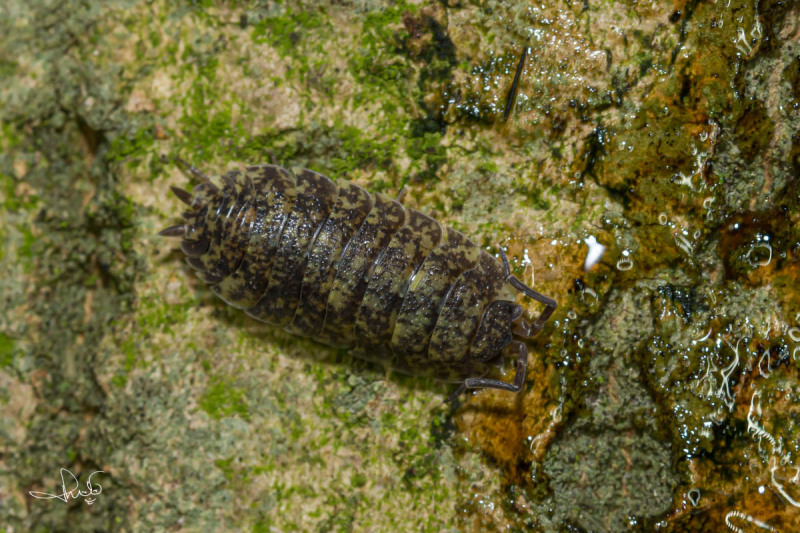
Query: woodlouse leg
{"points": [[458, 392], [512, 93], [550, 304], [519, 378], [522, 328]]}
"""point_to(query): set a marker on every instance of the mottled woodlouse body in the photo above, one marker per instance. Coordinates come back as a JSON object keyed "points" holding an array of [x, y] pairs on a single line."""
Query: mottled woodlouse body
{"points": [[332, 262]]}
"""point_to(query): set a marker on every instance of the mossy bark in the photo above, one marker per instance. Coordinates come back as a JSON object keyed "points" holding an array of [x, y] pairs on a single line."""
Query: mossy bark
{"points": [[669, 132]]}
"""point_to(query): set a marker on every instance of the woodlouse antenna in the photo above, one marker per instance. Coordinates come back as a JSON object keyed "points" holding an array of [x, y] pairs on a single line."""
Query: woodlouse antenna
{"points": [[512, 93], [550, 304], [456, 393], [506, 266], [186, 166]]}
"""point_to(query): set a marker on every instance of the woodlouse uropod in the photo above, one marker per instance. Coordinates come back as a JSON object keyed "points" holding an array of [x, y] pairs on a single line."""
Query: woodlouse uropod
{"points": [[357, 270]]}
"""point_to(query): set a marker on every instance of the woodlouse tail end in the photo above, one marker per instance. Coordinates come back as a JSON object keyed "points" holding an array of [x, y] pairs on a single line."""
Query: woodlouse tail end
{"points": [[183, 196], [173, 231], [228, 181]]}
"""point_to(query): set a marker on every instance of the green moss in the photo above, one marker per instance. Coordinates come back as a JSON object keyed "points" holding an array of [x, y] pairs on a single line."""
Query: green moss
{"points": [[336, 151], [285, 32], [222, 399], [6, 350], [130, 149], [262, 526], [28, 249], [377, 65], [427, 149], [533, 195], [358, 480], [155, 314], [489, 167], [207, 123], [225, 466], [13, 202], [119, 381], [7, 67], [206, 126], [359, 151]]}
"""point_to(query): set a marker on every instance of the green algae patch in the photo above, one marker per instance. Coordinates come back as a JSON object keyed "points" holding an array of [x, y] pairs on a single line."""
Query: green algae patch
{"points": [[6, 350], [223, 399], [285, 32], [754, 130], [131, 149], [669, 370], [377, 65]]}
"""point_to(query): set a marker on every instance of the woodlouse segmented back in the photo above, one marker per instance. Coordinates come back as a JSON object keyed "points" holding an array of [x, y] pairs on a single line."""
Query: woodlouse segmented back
{"points": [[357, 270]]}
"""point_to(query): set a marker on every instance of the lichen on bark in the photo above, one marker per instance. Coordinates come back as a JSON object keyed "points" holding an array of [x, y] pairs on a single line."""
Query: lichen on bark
{"points": [[667, 382]]}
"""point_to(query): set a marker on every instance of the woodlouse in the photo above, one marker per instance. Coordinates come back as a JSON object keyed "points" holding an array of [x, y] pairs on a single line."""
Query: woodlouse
{"points": [[357, 270]]}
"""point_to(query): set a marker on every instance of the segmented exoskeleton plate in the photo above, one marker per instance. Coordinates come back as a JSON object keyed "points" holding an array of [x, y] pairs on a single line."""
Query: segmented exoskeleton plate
{"points": [[332, 262]]}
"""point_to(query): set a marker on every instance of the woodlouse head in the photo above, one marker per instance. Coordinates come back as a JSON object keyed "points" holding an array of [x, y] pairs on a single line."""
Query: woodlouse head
{"points": [[495, 331], [501, 321]]}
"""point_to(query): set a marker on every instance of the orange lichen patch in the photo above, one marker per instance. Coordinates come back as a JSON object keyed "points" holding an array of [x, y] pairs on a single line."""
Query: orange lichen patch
{"points": [[661, 156], [552, 264], [754, 477], [784, 283], [661, 245], [542, 412], [715, 505], [759, 249], [491, 420], [512, 430], [566, 69]]}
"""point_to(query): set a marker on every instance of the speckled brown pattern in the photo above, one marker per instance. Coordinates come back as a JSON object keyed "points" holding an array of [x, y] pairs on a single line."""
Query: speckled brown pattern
{"points": [[494, 332], [389, 282], [274, 198], [316, 196], [334, 263], [351, 209], [427, 290], [225, 235], [352, 278], [461, 312]]}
